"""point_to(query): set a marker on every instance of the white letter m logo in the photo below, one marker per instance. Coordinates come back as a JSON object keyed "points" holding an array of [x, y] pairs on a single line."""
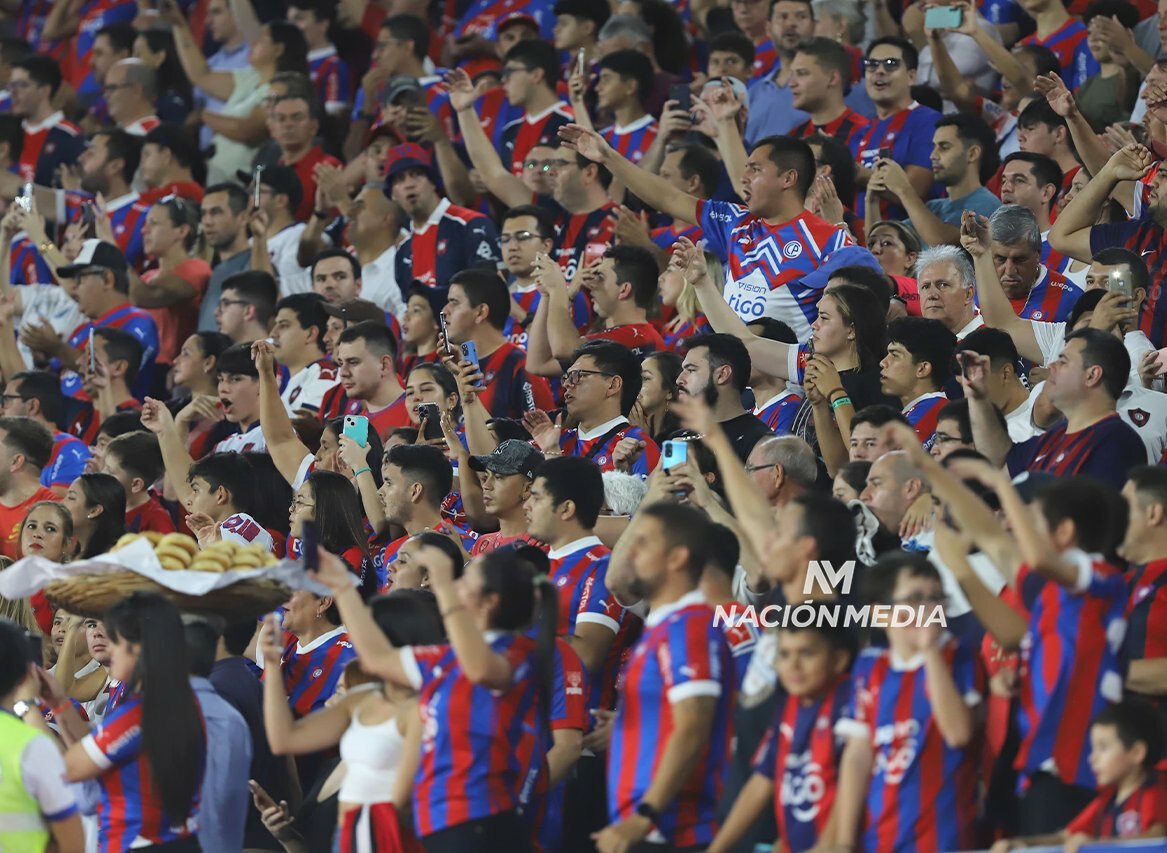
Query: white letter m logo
{"points": [[829, 580]]}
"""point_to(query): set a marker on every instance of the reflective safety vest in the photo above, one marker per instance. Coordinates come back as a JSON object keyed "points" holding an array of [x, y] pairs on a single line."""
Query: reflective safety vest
{"points": [[22, 828]]}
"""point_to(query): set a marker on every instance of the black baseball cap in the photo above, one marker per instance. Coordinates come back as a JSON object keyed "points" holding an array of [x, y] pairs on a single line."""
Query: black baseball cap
{"points": [[510, 457], [96, 254], [282, 180]]}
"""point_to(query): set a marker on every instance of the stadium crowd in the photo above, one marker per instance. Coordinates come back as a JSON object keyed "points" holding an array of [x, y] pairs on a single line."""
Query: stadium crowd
{"points": [[569, 344]]}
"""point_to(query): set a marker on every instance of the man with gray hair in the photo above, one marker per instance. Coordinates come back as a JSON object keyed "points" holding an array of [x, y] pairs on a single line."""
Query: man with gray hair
{"points": [[893, 484], [782, 467], [1036, 292], [130, 89], [946, 283]]}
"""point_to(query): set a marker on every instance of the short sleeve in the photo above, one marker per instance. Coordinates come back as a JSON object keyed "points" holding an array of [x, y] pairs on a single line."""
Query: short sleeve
{"points": [[766, 755], [597, 605], [42, 769], [968, 673], [857, 715], [796, 360], [690, 660], [1121, 234], [1050, 337], [119, 738], [569, 702], [919, 148], [242, 529]]}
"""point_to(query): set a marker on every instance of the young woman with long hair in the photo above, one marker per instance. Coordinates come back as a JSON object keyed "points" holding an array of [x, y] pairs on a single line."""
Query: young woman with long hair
{"points": [[47, 531], [377, 725], [149, 754], [658, 389], [482, 696], [97, 503]]}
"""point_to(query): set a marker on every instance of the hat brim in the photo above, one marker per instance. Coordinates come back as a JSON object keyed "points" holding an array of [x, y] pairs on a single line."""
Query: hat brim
{"points": [[70, 270]]}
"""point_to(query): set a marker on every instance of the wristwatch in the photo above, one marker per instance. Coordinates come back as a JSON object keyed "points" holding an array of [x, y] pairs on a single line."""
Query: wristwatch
{"points": [[648, 811]]}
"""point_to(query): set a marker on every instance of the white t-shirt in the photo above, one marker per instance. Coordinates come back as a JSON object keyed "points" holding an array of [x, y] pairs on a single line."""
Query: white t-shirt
{"points": [[1051, 340], [1146, 412], [243, 442], [282, 249], [379, 283], [1019, 422], [245, 530], [42, 770], [41, 303]]}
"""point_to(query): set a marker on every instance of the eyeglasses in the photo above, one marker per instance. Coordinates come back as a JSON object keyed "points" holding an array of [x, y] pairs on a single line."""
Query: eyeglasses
{"points": [[890, 64], [945, 438], [517, 237], [227, 303], [559, 164], [750, 469], [6, 397], [298, 502], [541, 165], [572, 377]]}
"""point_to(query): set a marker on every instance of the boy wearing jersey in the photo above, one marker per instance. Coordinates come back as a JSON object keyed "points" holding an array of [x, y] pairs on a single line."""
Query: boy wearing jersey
{"points": [[218, 491], [795, 769], [624, 83], [917, 366], [530, 72], [671, 736], [37, 394], [1126, 742], [116, 356], [907, 779], [476, 311], [135, 461]]}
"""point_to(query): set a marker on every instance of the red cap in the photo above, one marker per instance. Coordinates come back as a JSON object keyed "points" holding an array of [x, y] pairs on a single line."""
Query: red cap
{"points": [[516, 18], [478, 65]]}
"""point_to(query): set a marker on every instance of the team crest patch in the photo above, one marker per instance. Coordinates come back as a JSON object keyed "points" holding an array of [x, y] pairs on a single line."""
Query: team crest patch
{"points": [[792, 250], [1138, 417]]}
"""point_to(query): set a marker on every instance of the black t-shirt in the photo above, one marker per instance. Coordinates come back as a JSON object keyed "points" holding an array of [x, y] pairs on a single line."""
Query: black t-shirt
{"points": [[744, 432]]}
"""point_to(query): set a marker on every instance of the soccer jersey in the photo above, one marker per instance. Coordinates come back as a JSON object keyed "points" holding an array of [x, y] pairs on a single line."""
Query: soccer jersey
{"points": [[336, 404], [769, 264], [922, 793], [765, 59], [681, 655], [1051, 299], [509, 391], [1105, 817], [26, 265], [1147, 239], [48, 145], [331, 76], [908, 133], [126, 215], [642, 338], [578, 571], [248, 440], [87, 422], [129, 319], [452, 239], [779, 412], [528, 299], [527, 131], [923, 413], [67, 461], [1146, 613], [488, 542], [472, 735], [1068, 42], [1105, 450], [312, 672], [1071, 665], [130, 812], [666, 237], [845, 128], [93, 16], [580, 237], [150, 517], [800, 754], [305, 169], [242, 529], [482, 17], [599, 445], [495, 114], [306, 390], [633, 140]]}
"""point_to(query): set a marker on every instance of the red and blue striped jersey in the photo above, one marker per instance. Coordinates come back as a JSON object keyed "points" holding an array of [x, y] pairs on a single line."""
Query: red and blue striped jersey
{"points": [[923, 793], [632, 141], [312, 672], [483, 16], [67, 462], [599, 445], [1051, 299], [742, 635], [1105, 817], [87, 421], [452, 239], [778, 413], [579, 575], [846, 128], [923, 413], [509, 390], [908, 133], [94, 16], [642, 338], [130, 810], [1105, 450], [26, 266], [30, 22], [126, 215], [337, 404], [1147, 239], [528, 300], [579, 235], [53, 143], [436, 99], [800, 754], [524, 133], [676, 335], [666, 236], [474, 739], [1068, 42], [495, 114], [1071, 665], [1146, 613], [331, 76], [129, 319], [1052, 259], [383, 560], [681, 655], [768, 263], [766, 59]]}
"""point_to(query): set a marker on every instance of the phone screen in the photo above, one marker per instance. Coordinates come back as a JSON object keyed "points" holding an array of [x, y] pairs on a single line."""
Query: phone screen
{"points": [[445, 333]]}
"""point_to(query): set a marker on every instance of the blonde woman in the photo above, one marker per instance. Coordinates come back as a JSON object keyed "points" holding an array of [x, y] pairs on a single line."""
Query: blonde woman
{"points": [[679, 294]]}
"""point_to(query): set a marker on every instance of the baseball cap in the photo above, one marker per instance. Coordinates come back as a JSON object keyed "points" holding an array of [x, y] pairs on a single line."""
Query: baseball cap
{"points": [[516, 18], [476, 66], [354, 310], [281, 180], [96, 253], [510, 457], [739, 88], [402, 158], [401, 84]]}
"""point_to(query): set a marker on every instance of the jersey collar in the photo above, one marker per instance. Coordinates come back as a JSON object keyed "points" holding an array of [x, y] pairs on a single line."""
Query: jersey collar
{"points": [[319, 641], [49, 123], [660, 614], [596, 432], [572, 547]]}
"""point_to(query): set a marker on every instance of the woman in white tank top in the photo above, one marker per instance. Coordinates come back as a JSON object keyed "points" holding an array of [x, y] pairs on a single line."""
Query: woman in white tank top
{"points": [[376, 726]]}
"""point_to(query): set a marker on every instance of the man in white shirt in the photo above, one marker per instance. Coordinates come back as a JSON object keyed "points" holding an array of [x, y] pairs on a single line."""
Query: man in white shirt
{"points": [[1005, 388], [275, 233], [375, 231], [946, 283]]}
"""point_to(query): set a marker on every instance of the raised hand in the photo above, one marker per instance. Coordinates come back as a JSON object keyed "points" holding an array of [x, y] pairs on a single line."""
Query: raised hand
{"points": [[545, 433], [974, 233], [204, 529], [1053, 89], [974, 375], [201, 407], [270, 643], [155, 416], [461, 90], [674, 119], [264, 356], [1130, 162], [694, 414], [632, 229], [548, 274], [723, 102], [584, 141]]}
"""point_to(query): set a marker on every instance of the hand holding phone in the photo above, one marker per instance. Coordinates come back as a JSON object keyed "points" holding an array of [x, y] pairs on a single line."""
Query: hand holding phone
{"points": [[581, 61], [470, 354], [92, 355], [445, 333], [674, 453], [1119, 281], [256, 187], [429, 414], [356, 427], [681, 93]]}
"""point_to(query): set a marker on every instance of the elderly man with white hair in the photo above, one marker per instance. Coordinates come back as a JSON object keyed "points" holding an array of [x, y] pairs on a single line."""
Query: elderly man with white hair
{"points": [[947, 283]]}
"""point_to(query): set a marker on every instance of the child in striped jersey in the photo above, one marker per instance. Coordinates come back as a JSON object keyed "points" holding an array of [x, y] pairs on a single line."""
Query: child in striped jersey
{"points": [[1126, 741], [796, 765]]}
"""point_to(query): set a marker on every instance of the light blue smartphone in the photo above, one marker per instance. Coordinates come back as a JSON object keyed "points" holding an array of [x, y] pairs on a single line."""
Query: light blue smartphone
{"points": [[943, 18], [356, 427], [674, 453]]}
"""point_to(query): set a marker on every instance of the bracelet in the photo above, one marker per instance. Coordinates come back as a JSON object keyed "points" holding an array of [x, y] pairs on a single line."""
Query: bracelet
{"points": [[839, 390], [452, 610], [840, 403], [365, 470], [61, 709]]}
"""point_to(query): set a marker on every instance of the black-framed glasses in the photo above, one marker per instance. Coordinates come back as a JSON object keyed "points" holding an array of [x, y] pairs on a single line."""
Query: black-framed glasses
{"points": [[750, 469], [227, 303], [298, 502], [889, 64], [7, 397], [572, 377], [517, 237]]}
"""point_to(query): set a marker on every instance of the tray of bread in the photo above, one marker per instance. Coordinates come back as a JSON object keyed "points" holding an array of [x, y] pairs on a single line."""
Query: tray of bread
{"points": [[226, 578]]}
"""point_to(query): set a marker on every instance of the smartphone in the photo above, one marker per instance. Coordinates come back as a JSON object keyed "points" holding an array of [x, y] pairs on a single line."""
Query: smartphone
{"points": [[680, 93], [810, 348], [92, 355], [581, 61], [35, 646], [24, 200], [309, 543], [885, 152], [89, 219], [470, 353], [445, 332], [594, 252], [674, 453], [429, 413], [943, 18], [256, 188], [1120, 282], [356, 427]]}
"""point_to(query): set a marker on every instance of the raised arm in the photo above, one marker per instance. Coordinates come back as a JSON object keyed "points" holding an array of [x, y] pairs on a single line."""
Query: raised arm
{"points": [[171, 441], [217, 84], [652, 189], [890, 176], [508, 189], [954, 86], [1070, 234], [283, 445]]}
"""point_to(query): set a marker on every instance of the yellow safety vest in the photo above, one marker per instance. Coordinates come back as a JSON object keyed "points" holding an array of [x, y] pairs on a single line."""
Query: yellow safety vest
{"points": [[22, 828]]}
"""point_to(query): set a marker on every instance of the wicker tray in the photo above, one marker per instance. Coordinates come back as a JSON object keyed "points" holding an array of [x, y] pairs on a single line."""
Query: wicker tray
{"points": [[92, 595]]}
